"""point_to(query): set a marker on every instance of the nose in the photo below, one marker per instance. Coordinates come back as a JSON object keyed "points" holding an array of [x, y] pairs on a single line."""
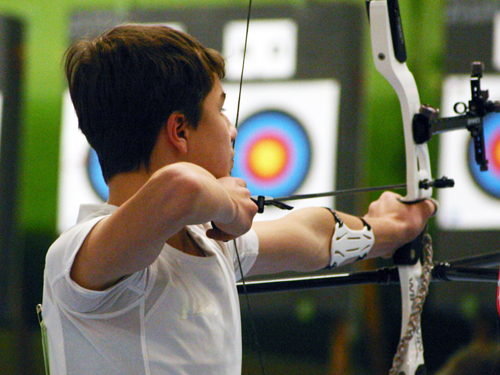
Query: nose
{"points": [[232, 132]]}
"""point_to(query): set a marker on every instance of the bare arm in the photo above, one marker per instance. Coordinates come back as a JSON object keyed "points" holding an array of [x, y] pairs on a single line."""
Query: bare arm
{"points": [[301, 241], [133, 236]]}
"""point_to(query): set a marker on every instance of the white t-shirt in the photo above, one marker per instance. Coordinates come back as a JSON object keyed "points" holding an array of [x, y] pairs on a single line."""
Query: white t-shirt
{"points": [[178, 316]]}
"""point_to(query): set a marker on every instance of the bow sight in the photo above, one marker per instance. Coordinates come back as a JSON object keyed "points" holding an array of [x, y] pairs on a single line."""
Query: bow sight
{"points": [[426, 122]]}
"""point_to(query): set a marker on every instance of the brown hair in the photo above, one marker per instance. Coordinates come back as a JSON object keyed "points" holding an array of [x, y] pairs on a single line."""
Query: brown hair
{"points": [[127, 82]]}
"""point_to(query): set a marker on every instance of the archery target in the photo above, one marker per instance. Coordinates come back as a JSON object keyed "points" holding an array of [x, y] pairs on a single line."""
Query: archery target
{"points": [[287, 139], [273, 153], [80, 179], [271, 49], [290, 149], [489, 180], [474, 202]]}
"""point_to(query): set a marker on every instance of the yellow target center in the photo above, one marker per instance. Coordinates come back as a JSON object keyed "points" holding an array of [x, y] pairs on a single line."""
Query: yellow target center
{"points": [[496, 154], [267, 158]]}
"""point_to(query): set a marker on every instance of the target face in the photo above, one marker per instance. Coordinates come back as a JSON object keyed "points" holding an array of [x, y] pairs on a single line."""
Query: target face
{"points": [[488, 180], [273, 153], [474, 202], [287, 139]]}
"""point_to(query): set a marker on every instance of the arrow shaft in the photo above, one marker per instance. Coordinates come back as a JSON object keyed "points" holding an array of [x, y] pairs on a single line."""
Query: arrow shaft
{"points": [[340, 192]]}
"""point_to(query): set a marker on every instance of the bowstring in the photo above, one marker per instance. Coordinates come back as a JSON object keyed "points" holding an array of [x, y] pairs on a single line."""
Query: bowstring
{"points": [[243, 281], [236, 123]]}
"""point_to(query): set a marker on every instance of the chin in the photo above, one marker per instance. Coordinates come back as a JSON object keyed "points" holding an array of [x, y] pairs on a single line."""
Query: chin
{"points": [[222, 174]]}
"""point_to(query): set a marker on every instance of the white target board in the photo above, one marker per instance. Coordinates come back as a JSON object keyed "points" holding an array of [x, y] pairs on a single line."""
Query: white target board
{"points": [[474, 202]]}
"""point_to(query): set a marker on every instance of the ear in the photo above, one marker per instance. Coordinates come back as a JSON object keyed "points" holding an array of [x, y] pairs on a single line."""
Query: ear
{"points": [[177, 131]]}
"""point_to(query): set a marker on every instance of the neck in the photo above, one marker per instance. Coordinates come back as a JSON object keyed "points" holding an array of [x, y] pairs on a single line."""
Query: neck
{"points": [[124, 185]]}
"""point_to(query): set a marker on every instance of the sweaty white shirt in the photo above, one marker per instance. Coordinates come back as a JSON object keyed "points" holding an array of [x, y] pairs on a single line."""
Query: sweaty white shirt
{"points": [[178, 316]]}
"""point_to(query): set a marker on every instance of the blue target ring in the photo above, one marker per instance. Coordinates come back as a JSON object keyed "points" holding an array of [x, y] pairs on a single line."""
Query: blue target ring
{"points": [[273, 153], [94, 173], [488, 180]]}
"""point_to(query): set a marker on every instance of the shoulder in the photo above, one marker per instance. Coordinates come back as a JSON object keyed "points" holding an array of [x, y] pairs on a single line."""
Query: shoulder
{"points": [[62, 252]]}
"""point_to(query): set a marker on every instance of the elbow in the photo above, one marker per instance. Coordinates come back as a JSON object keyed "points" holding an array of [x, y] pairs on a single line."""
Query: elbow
{"points": [[183, 193]]}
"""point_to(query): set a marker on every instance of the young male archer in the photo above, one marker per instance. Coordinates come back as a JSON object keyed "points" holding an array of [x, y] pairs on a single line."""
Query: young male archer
{"points": [[145, 284]]}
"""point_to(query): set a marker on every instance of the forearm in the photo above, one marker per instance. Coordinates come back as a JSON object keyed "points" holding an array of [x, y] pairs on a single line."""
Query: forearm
{"points": [[303, 240], [198, 195]]}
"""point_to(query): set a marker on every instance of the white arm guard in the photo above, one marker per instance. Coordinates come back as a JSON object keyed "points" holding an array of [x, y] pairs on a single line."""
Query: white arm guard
{"points": [[349, 245]]}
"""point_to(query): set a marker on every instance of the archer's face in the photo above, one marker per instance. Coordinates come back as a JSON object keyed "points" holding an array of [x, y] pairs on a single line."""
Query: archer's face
{"points": [[212, 141]]}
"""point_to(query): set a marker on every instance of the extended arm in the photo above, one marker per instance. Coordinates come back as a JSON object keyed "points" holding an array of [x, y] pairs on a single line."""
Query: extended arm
{"points": [[301, 241]]}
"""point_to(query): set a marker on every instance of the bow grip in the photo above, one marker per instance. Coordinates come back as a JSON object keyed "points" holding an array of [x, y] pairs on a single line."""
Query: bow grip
{"points": [[410, 253]]}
